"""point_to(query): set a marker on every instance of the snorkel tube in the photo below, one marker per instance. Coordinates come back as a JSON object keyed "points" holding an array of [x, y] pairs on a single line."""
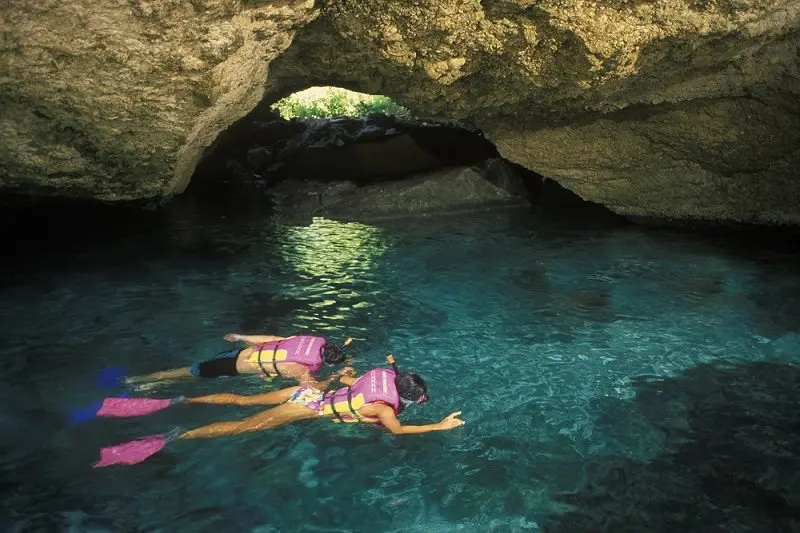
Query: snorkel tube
{"points": [[348, 359], [337, 352]]}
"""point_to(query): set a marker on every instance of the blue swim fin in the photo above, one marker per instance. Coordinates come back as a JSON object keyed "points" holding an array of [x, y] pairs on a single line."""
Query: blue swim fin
{"points": [[111, 377], [84, 414]]}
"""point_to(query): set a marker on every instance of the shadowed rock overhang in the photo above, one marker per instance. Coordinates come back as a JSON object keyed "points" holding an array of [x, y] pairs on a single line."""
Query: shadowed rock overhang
{"points": [[677, 109]]}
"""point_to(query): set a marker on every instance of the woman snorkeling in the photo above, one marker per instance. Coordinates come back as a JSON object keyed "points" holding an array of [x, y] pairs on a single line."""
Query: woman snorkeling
{"points": [[377, 397], [269, 355]]}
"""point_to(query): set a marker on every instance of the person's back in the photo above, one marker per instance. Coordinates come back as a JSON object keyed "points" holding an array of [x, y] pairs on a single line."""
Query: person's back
{"points": [[376, 386], [294, 357], [379, 396], [305, 350]]}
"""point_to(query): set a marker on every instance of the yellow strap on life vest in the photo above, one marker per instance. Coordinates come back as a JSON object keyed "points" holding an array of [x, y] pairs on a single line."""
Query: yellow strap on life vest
{"points": [[280, 355], [342, 407]]}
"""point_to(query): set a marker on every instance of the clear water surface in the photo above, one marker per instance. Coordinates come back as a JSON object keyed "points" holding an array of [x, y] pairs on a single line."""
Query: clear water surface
{"points": [[613, 378]]}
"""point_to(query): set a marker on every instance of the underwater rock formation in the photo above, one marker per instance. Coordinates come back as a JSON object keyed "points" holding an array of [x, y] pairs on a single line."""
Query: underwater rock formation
{"points": [[684, 109]]}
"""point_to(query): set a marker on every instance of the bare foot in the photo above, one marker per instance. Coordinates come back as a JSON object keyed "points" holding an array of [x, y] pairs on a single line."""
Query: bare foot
{"points": [[147, 386]]}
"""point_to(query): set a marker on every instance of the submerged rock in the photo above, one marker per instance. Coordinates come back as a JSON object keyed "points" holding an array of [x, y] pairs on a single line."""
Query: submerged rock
{"points": [[439, 191], [683, 110]]}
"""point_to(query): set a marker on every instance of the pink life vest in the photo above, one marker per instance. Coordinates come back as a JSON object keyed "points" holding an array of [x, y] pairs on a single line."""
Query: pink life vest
{"points": [[377, 385], [303, 349]]}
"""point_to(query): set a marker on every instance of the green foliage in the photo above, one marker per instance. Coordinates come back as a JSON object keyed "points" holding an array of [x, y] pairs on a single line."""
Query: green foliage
{"points": [[337, 103], [381, 105]]}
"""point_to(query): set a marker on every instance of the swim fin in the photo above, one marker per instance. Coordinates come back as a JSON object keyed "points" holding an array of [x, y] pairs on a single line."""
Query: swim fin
{"points": [[123, 408], [111, 377], [85, 414], [135, 451]]}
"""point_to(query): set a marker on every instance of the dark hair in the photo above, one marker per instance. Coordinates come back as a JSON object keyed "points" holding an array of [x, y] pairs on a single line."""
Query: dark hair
{"points": [[333, 354], [410, 386]]}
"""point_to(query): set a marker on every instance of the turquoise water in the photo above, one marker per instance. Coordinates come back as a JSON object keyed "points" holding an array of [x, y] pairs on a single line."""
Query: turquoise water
{"points": [[612, 378]]}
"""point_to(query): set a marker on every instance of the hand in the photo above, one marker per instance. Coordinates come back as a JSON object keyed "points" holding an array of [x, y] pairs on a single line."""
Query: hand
{"points": [[347, 371], [233, 337], [451, 421]]}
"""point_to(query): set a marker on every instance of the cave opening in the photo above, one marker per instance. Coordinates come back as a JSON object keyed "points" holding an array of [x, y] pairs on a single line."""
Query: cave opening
{"points": [[330, 151]]}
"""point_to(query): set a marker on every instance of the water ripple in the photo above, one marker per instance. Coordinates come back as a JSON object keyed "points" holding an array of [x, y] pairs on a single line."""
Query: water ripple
{"points": [[544, 336]]}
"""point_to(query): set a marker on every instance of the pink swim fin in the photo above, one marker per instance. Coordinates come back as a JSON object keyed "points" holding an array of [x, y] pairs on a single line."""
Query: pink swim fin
{"points": [[125, 407], [135, 451]]}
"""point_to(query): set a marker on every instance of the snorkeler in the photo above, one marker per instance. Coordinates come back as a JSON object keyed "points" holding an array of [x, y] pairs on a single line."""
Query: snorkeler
{"points": [[287, 357], [377, 397]]}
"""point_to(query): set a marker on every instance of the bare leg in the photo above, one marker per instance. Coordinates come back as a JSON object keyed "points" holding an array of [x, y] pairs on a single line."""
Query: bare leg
{"points": [[175, 373], [269, 398], [269, 419]]}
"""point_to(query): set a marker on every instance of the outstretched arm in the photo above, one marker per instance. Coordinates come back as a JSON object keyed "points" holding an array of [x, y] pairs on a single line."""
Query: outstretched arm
{"points": [[347, 376], [303, 376], [386, 416], [252, 340]]}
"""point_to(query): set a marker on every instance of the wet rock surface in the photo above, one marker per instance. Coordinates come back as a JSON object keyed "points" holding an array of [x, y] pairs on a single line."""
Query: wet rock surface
{"points": [[486, 185], [673, 109]]}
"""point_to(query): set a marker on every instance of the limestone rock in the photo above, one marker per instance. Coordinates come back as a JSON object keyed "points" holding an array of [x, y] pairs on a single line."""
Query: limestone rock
{"points": [[686, 109], [676, 109], [435, 192], [118, 100]]}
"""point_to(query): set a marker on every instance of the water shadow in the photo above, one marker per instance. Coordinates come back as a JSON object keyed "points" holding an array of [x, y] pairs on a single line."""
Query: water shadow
{"points": [[730, 461]]}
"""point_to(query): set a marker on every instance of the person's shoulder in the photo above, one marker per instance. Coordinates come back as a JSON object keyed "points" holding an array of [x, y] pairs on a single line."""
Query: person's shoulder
{"points": [[378, 407], [294, 366]]}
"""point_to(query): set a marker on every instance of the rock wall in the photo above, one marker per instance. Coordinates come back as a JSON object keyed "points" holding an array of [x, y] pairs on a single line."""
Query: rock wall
{"points": [[118, 99], [682, 109], [676, 109]]}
